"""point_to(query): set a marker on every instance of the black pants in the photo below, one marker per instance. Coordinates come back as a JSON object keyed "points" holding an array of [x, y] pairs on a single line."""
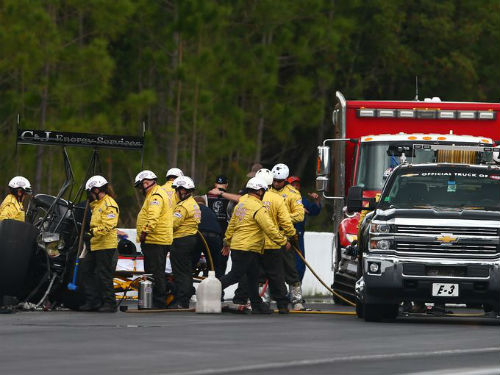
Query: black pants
{"points": [[155, 259], [290, 267], [214, 242], [271, 265], [98, 268], [181, 257], [245, 264]]}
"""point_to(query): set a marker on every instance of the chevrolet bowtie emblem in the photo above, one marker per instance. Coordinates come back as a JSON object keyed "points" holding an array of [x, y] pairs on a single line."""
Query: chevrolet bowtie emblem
{"points": [[446, 238]]}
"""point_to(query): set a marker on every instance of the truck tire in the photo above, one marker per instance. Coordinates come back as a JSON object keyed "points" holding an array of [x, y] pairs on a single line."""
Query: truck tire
{"points": [[379, 312], [17, 247]]}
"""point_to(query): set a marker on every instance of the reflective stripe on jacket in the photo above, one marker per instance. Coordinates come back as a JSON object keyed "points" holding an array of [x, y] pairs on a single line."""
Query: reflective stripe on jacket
{"points": [[249, 225], [155, 218], [11, 208], [187, 216], [103, 223]]}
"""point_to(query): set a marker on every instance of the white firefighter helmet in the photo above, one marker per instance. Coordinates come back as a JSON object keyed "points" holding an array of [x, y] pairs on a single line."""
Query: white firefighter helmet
{"points": [[280, 171], [183, 182], [144, 175], [256, 183], [20, 182], [266, 175], [174, 172], [95, 182]]}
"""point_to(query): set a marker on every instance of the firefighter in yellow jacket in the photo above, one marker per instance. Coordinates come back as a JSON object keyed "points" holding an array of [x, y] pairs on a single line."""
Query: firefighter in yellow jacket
{"points": [[293, 201], [187, 216], [271, 262], [245, 238], [99, 263], [12, 206], [172, 174], [154, 232]]}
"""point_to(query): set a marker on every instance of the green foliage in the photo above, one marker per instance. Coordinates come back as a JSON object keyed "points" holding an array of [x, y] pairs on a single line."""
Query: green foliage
{"points": [[222, 84]]}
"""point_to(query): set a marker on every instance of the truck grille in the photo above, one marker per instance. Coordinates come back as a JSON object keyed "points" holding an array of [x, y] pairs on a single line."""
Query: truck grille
{"points": [[471, 231], [484, 244]]}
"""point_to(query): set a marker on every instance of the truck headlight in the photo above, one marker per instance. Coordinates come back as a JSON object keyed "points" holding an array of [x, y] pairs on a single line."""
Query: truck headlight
{"points": [[381, 228], [374, 267], [380, 244], [351, 237]]}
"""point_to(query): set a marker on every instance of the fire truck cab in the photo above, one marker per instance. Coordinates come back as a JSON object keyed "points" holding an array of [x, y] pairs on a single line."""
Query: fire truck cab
{"points": [[374, 137]]}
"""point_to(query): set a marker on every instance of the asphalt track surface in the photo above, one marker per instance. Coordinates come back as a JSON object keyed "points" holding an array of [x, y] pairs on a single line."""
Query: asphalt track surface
{"points": [[65, 342]]}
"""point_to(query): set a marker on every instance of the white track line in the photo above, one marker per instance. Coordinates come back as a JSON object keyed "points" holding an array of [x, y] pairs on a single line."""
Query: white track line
{"points": [[462, 371], [308, 362]]}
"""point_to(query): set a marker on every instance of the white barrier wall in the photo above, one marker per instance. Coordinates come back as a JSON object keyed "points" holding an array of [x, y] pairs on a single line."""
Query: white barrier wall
{"points": [[318, 248], [318, 254]]}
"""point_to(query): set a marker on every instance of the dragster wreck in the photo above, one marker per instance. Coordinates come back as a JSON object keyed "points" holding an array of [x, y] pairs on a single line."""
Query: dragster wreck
{"points": [[37, 257]]}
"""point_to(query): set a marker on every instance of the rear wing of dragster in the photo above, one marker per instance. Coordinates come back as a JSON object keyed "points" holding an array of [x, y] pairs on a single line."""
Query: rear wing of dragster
{"points": [[73, 139], [58, 138]]}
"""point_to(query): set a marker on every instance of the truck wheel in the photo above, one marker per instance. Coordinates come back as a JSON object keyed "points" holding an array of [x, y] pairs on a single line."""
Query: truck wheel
{"points": [[359, 309], [379, 312]]}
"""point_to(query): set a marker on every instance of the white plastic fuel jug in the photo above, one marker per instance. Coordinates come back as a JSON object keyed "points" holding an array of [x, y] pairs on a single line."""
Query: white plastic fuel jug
{"points": [[208, 295]]}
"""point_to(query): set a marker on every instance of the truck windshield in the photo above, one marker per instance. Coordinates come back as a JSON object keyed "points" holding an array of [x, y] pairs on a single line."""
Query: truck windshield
{"points": [[374, 164], [376, 160], [444, 188]]}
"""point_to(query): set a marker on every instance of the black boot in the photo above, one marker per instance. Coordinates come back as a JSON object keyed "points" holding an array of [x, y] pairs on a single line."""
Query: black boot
{"points": [[261, 308], [283, 309]]}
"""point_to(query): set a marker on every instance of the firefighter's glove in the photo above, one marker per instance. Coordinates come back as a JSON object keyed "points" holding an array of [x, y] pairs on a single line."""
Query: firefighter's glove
{"points": [[294, 240], [225, 251], [142, 237]]}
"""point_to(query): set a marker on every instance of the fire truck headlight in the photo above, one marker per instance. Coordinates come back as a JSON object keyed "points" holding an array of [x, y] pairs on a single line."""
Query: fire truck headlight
{"points": [[351, 237]]}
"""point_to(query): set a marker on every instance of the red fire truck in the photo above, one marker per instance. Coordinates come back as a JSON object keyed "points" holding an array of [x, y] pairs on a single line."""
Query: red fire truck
{"points": [[370, 139]]}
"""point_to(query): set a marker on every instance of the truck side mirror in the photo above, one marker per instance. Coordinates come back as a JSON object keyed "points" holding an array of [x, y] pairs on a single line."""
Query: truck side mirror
{"points": [[355, 199], [323, 167], [322, 183]]}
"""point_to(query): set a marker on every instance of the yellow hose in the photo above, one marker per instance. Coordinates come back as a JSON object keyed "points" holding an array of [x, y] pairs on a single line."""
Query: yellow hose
{"points": [[321, 281], [150, 311], [350, 302], [320, 312], [208, 252]]}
